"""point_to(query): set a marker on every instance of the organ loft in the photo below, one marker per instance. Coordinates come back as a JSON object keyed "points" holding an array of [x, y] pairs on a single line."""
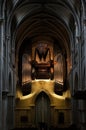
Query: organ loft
{"points": [[42, 64]]}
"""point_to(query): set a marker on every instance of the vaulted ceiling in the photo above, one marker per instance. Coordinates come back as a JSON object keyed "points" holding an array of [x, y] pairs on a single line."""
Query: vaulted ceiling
{"points": [[46, 19], [34, 18]]}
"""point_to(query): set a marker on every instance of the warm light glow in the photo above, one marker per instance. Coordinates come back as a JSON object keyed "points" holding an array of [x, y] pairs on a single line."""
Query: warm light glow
{"points": [[27, 96], [58, 96], [45, 85], [47, 80], [59, 82]]}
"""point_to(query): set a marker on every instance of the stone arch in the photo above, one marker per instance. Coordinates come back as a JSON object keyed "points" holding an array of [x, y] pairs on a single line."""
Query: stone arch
{"points": [[44, 91], [42, 110]]}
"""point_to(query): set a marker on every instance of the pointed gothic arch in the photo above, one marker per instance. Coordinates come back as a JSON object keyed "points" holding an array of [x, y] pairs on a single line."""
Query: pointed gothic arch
{"points": [[42, 110]]}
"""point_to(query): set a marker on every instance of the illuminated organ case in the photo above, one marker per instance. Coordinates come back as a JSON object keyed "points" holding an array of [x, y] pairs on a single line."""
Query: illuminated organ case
{"points": [[26, 68], [42, 61], [45, 61], [43, 82]]}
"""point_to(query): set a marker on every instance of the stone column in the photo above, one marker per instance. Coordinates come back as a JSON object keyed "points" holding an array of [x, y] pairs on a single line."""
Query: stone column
{"points": [[85, 48], [1, 65]]}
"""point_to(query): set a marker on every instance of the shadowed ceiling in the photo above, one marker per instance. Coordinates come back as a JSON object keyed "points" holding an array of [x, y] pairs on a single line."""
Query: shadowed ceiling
{"points": [[35, 18]]}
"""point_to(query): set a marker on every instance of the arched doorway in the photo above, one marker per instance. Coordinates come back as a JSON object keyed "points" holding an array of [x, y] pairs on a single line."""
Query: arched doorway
{"points": [[42, 111]]}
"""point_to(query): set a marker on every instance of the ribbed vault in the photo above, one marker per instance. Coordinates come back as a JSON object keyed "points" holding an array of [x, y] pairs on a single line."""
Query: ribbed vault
{"points": [[38, 20], [33, 18]]}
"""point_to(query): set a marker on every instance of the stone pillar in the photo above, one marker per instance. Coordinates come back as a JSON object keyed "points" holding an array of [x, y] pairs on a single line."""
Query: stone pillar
{"points": [[10, 112], [4, 111], [1, 65], [85, 48]]}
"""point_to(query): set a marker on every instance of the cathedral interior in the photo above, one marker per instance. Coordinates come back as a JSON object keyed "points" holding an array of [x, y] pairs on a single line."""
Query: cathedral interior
{"points": [[42, 64]]}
